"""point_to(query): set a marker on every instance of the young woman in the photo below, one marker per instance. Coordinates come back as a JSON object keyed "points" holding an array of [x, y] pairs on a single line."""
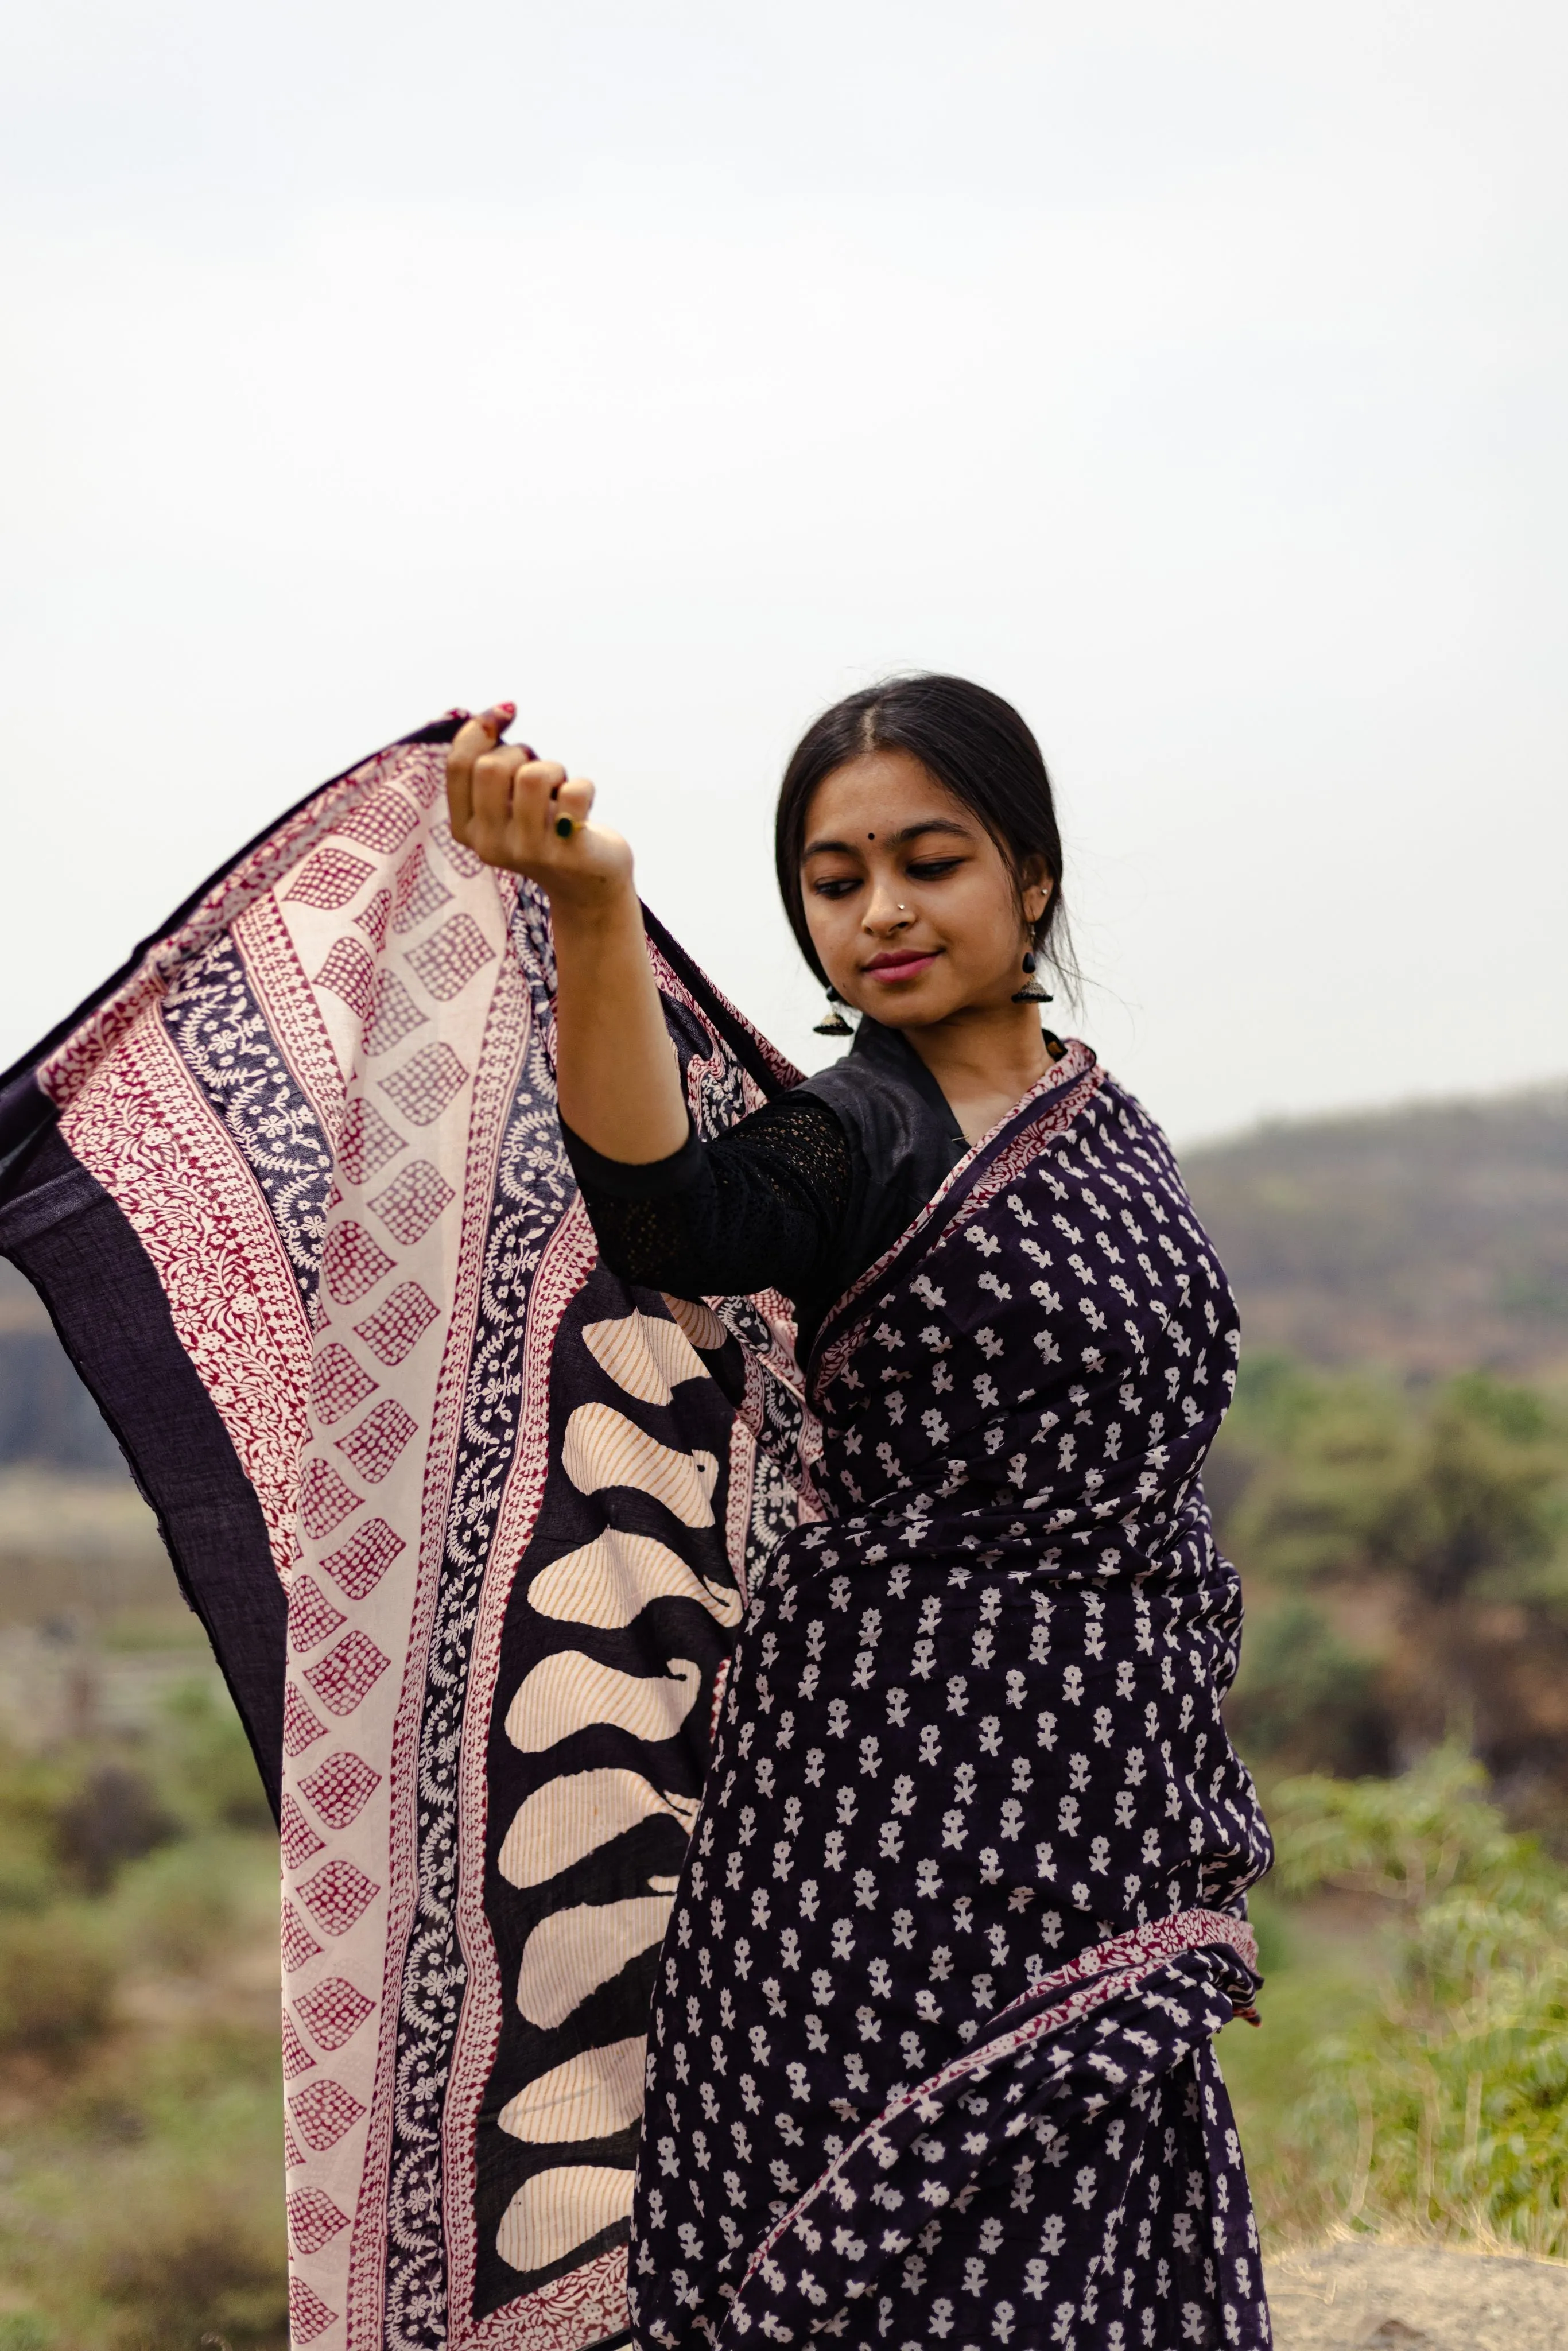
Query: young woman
{"points": [[931, 2059]]}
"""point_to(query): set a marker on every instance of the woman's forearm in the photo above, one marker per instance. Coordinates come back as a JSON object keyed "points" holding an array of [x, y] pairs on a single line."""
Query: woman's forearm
{"points": [[616, 1075], [616, 1072]]}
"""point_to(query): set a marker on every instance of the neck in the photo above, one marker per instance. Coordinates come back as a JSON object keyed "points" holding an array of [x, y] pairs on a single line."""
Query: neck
{"points": [[984, 1059]]}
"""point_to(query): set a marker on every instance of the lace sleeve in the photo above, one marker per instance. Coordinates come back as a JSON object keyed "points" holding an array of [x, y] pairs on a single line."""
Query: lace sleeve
{"points": [[762, 1207]]}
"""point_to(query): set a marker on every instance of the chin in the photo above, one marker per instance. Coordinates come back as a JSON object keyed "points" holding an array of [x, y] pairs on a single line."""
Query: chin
{"points": [[917, 1009]]}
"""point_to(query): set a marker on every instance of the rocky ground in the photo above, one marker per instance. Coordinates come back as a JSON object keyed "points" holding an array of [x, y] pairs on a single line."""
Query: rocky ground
{"points": [[1365, 2297]]}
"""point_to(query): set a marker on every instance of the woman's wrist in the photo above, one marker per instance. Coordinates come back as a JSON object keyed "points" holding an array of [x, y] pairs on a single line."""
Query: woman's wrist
{"points": [[593, 905]]}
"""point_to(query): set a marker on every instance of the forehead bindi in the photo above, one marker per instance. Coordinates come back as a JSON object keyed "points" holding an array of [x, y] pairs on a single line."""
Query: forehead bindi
{"points": [[870, 800]]}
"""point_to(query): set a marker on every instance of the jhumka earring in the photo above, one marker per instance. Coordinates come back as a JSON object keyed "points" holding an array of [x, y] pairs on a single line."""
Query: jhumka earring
{"points": [[833, 1022], [1032, 991]]}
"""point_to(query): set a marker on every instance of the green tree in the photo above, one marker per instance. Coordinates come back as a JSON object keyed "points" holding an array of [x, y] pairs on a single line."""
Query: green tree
{"points": [[1405, 1553]]}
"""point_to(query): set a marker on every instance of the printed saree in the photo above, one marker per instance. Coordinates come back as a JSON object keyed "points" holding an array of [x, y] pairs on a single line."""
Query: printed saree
{"points": [[473, 1529]]}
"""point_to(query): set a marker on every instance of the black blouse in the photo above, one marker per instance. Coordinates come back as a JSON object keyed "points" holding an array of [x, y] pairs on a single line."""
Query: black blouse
{"points": [[801, 1196]]}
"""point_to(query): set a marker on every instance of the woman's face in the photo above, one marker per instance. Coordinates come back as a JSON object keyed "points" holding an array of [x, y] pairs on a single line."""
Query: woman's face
{"points": [[911, 905]]}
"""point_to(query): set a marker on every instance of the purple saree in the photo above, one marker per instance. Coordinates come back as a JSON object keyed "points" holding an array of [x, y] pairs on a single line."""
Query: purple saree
{"points": [[472, 1528], [931, 2051]]}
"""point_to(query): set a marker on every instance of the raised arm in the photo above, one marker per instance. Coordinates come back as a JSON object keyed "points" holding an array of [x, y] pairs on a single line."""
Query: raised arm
{"points": [[618, 1086]]}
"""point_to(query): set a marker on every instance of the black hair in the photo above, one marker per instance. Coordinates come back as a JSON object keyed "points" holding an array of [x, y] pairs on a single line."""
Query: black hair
{"points": [[974, 743]]}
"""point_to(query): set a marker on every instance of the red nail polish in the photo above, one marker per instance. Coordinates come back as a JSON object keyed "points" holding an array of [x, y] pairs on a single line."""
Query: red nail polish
{"points": [[507, 709]]}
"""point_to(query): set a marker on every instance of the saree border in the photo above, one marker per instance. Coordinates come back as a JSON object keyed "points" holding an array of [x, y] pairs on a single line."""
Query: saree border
{"points": [[1103, 1972], [1012, 1144], [141, 968]]}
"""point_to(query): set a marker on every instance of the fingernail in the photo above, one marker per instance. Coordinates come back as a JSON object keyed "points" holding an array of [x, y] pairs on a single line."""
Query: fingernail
{"points": [[507, 709], [527, 750]]}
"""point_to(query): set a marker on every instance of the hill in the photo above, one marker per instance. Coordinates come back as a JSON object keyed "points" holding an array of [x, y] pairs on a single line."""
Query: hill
{"points": [[1432, 1238]]}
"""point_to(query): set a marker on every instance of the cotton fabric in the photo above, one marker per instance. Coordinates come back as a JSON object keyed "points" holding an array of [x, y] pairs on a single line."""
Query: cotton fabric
{"points": [[932, 2047], [472, 1524]]}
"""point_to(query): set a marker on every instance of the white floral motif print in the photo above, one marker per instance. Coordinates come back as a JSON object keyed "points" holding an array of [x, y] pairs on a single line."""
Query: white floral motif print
{"points": [[989, 2044]]}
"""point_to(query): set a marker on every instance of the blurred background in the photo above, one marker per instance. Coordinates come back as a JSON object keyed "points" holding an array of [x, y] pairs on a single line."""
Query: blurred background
{"points": [[1194, 378]]}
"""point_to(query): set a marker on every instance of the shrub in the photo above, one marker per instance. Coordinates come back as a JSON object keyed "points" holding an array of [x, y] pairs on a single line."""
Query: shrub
{"points": [[24, 2330], [213, 1779], [1303, 1698], [1454, 2088], [56, 1982], [185, 2263], [177, 1906], [113, 1817], [1418, 1536]]}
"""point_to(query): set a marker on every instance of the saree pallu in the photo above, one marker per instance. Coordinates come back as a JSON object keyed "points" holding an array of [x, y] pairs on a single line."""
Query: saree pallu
{"points": [[468, 1525], [472, 1528]]}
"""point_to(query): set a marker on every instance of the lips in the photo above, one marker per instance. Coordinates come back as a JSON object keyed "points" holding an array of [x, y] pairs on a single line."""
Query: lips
{"points": [[900, 963]]}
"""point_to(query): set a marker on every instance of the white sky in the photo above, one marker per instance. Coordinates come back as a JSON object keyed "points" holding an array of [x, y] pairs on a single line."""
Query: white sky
{"points": [[1193, 375]]}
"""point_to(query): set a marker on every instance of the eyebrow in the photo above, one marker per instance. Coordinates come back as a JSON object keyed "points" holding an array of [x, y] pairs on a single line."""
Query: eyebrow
{"points": [[896, 840]]}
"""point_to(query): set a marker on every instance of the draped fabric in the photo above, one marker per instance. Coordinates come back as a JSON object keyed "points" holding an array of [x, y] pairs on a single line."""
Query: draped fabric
{"points": [[468, 1525], [474, 1530], [932, 2043]]}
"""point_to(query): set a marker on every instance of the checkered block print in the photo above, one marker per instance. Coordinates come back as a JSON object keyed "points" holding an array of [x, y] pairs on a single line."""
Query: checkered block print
{"points": [[301, 1728], [297, 1838], [345, 1674], [350, 972], [341, 1788], [372, 919], [398, 1323], [374, 1445], [324, 1500], [313, 2219], [382, 820], [352, 1262], [367, 1142], [322, 2112], [394, 1014], [333, 2011], [298, 1943], [328, 880], [448, 959], [417, 893], [311, 1616], [337, 1895], [296, 2058], [308, 2314], [426, 1083], [336, 1383], [364, 1559], [462, 860], [424, 774], [413, 1201]]}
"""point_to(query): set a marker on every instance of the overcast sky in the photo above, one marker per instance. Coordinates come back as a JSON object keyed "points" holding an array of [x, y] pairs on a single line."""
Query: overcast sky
{"points": [[1194, 375]]}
